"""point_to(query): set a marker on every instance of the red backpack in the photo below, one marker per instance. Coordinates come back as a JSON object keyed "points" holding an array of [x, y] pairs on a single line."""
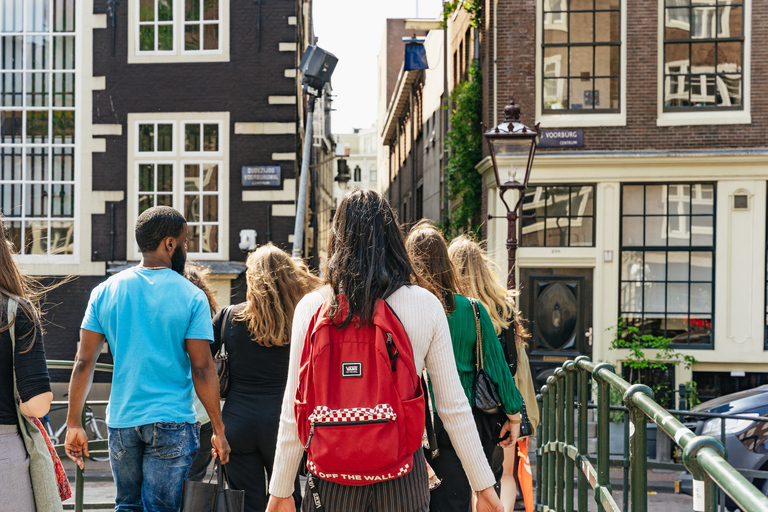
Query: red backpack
{"points": [[359, 405]]}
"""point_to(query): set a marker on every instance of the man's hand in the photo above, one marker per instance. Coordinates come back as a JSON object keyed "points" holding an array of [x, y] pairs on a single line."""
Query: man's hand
{"points": [[283, 504], [513, 429], [76, 445], [487, 501], [220, 447]]}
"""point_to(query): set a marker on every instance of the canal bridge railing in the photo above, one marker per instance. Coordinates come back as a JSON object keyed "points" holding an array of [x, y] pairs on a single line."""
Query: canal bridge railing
{"points": [[563, 447]]}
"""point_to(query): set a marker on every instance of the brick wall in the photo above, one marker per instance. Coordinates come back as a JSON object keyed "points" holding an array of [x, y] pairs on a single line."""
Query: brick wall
{"points": [[241, 86], [517, 67]]}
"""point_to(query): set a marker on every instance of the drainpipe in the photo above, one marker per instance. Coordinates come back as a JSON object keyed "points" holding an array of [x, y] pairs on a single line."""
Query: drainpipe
{"points": [[399, 177], [495, 56], [444, 114], [413, 155]]}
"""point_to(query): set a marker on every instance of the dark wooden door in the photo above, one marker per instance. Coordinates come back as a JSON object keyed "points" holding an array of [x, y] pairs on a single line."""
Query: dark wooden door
{"points": [[558, 306]]}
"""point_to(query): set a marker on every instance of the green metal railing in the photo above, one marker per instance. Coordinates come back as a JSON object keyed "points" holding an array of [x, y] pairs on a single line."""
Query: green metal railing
{"points": [[559, 452], [95, 448]]}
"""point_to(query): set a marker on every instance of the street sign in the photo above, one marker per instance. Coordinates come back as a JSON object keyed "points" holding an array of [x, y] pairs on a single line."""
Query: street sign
{"points": [[261, 176], [561, 139]]}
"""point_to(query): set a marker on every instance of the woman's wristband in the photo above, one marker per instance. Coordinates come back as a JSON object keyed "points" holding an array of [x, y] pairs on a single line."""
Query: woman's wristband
{"points": [[515, 421]]}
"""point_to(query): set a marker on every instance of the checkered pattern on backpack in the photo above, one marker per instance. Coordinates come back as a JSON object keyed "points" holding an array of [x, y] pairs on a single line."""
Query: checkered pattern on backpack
{"points": [[323, 414]]}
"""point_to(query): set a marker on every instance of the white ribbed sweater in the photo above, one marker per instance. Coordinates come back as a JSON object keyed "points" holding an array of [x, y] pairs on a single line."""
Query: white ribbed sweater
{"points": [[425, 322]]}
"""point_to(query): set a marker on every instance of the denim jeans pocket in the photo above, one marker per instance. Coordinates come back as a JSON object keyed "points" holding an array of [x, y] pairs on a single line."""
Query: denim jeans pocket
{"points": [[115, 441], [168, 439]]}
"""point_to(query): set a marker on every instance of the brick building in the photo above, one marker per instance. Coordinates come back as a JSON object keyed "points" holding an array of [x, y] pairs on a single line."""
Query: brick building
{"points": [[109, 108], [655, 211]]}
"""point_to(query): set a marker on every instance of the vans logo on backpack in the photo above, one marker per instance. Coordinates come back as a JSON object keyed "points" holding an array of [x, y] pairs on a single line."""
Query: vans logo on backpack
{"points": [[351, 369]]}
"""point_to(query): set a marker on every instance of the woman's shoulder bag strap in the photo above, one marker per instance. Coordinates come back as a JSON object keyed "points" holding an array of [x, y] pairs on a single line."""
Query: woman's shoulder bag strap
{"points": [[41, 471]]}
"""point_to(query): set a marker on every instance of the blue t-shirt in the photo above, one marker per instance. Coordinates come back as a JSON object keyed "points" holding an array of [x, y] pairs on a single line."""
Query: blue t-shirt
{"points": [[146, 316]]}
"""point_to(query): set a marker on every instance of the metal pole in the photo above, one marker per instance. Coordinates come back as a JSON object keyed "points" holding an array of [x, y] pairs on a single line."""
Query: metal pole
{"points": [[638, 464], [552, 466], [583, 436], [560, 433], [511, 247], [301, 200], [569, 437], [603, 436], [540, 459], [543, 461]]}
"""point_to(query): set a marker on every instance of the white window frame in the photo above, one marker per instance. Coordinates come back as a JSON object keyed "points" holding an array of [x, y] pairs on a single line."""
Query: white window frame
{"points": [[178, 158], [693, 117], [178, 54], [49, 220], [580, 120]]}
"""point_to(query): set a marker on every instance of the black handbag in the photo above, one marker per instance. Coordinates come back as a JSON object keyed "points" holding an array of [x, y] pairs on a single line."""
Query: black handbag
{"points": [[208, 497], [484, 391], [221, 359], [526, 428]]}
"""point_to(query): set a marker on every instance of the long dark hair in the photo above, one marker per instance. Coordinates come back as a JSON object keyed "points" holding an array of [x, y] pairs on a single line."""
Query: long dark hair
{"points": [[367, 259], [429, 253], [17, 286]]}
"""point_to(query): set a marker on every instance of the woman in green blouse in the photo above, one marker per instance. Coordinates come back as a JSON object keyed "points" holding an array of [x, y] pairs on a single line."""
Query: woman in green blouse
{"points": [[429, 255]]}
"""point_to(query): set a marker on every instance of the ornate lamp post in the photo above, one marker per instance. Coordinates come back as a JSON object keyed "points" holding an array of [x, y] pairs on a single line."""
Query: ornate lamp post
{"points": [[514, 144]]}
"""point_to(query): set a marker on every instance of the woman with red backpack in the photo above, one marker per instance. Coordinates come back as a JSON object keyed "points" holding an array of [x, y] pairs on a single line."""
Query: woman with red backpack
{"points": [[366, 338]]}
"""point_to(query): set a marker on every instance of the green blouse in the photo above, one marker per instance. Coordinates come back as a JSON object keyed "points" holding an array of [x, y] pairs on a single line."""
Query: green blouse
{"points": [[463, 335]]}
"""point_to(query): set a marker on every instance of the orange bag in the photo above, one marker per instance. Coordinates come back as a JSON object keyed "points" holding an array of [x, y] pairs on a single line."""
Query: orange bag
{"points": [[524, 475]]}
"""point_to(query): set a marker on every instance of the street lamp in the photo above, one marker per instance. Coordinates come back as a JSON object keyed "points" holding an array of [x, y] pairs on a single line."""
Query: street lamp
{"points": [[515, 145], [317, 66], [342, 174]]}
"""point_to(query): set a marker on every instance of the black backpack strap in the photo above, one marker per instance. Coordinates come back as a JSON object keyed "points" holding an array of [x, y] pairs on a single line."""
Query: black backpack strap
{"points": [[316, 503], [432, 451]]}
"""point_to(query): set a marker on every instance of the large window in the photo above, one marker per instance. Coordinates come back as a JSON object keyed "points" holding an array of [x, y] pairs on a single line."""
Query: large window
{"points": [[179, 164], [667, 260], [703, 54], [37, 124], [565, 216], [581, 56], [178, 27]]}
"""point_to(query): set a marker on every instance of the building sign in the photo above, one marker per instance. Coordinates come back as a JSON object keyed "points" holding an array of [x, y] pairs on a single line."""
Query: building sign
{"points": [[261, 176], [561, 139]]}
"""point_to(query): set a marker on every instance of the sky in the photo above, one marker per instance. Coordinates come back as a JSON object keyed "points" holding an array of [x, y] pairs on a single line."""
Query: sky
{"points": [[352, 31]]}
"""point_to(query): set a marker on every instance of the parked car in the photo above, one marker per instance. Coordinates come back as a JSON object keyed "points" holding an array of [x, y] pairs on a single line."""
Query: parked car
{"points": [[746, 440]]}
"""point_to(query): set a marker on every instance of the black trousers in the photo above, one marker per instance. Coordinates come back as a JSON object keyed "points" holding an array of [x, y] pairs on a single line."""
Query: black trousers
{"points": [[199, 466], [251, 424], [409, 493], [455, 492]]}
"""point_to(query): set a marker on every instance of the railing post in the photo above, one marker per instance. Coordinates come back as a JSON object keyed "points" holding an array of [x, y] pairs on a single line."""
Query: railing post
{"points": [[583, 432], [560, 472], [689, 459], [544, 460], [539, 451], [552, 465], [603, 433], [638, 448], [570, 368]]}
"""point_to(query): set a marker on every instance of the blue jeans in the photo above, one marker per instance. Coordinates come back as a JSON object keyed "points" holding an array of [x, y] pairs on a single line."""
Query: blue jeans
{"points": [[149, 464]]}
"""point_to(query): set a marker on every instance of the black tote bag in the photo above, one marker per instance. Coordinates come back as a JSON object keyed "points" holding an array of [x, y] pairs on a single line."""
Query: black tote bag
{"points": [[208, 497]]}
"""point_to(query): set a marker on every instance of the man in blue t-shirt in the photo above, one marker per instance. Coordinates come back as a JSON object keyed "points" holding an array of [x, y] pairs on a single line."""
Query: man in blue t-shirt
{"points": [[158, 326]]}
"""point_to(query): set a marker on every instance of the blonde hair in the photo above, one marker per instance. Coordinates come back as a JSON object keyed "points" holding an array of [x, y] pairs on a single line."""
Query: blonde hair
{"points": [[198, 276], [275, 285], [477, 279]]}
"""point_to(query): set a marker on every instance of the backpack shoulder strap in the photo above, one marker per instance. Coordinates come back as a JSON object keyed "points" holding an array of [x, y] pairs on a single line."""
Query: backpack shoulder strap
{"points": [[12, 308], [224, 322]]}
